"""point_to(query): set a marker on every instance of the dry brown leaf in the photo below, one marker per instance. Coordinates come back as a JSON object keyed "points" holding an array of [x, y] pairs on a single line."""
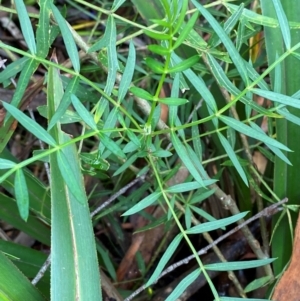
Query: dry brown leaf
{"points": [[260, 161], [128, 269], [288, 288]]}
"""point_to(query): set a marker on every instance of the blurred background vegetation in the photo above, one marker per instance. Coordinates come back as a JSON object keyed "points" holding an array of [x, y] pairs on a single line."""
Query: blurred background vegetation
{"points": [[128, 126]]}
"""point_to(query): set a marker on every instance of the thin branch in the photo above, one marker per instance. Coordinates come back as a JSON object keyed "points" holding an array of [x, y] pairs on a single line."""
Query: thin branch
{"points": [[42, 271], [2, 63], [116, 195], [266, 212]]}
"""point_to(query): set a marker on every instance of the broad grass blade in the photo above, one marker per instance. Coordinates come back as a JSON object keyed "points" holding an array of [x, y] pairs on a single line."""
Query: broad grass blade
{"points": [[14, 285]]}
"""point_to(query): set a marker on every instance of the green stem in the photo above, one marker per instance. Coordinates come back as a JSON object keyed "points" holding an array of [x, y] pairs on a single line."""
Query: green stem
{"points": [[194, 251]]}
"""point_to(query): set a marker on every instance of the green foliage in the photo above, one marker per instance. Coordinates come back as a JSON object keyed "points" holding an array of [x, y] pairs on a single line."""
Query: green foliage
{"points": [[213, 123]]}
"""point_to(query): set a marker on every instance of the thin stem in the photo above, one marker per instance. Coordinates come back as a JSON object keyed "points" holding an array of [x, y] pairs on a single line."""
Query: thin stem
{"points": [[183, 232]]}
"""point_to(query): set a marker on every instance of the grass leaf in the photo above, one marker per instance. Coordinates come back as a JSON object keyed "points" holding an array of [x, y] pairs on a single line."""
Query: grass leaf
{"points": [[73, 250], [239, 299], [158, 49], [154, 65], [233, 266], [14, 284], [210, 226], [184, 187], [275, 150], [21, 193], [65, 101], [141, 93], [232, 51], [226, 83], [278, 97], [231, 154], [6, 164], [35, 226], [144, 203], [165, 258], [117, 4], [283, 23], [12, 69], [184, 65], [67, 37], [83, 112], [7, 129], [257, 283], [26, 26], [30, 125], [186, 30], [183, 284], [43, 29], [182, 153], [157, 35], [128, 73], [242, 128], [198, 84], [173, 101], [112, 146], [127, 163], [67, 172]]}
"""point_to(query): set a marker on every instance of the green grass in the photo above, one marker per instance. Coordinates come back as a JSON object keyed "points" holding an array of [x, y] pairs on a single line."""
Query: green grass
{"points": [[103, 123]]}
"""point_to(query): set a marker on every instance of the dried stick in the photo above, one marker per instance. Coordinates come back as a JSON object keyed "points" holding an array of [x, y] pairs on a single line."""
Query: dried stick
{"points": [[116, 195], [42, 271]]}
